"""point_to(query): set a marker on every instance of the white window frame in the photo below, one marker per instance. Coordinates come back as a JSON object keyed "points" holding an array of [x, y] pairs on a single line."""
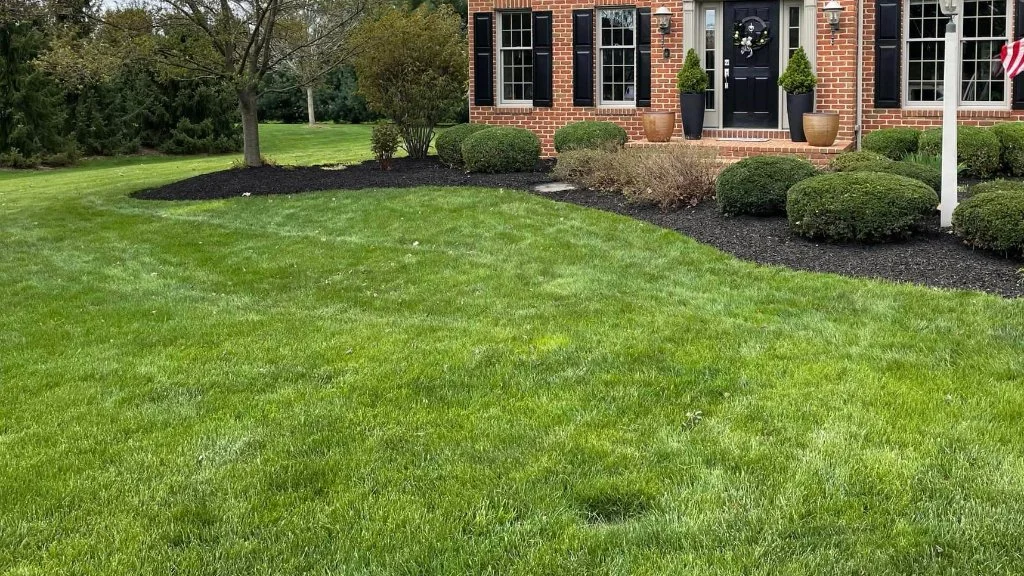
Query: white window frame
{"points": [[600, 58], [501, 57], [961, 103]]}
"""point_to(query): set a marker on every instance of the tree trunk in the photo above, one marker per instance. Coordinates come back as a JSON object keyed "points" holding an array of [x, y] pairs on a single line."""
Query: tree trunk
{"points": [[250, 127], [309, 106], [417, 140]]}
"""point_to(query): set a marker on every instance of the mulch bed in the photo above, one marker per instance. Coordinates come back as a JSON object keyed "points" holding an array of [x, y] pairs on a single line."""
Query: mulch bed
{"points": [[932, 258], [267, 180]]}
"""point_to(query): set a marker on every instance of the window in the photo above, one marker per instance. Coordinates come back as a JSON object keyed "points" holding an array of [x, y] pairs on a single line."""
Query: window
{"points": [[983, 28], [709, 56], [617, 49], [515, 75], [793, 31]]}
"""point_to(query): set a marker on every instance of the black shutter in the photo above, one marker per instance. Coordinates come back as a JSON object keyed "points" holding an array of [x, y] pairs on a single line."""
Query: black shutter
{"points": [[582, 57], [643, 58], [483, 59], [887, 53], [542, 69], [1018, 30]]}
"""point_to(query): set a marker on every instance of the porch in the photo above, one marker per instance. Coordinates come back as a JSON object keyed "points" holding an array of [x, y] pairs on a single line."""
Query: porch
{"points": [[734, 145]]}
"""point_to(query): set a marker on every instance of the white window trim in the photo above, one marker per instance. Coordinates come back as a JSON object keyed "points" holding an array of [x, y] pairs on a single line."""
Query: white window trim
{"points": [[961, 105], [501, 60], [599, 60]]}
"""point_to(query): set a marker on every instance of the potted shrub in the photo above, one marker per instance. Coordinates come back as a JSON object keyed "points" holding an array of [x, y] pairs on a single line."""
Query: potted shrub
{"points": [[692, 82], [798, 81]]}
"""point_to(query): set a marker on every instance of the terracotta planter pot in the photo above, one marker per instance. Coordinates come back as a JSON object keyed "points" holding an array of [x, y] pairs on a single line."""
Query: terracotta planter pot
{"points": [[692, 106], [821, 128], [659, 126]]}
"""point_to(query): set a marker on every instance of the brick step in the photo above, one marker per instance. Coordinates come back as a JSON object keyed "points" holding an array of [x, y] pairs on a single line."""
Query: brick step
{"points": [[734, 150]]}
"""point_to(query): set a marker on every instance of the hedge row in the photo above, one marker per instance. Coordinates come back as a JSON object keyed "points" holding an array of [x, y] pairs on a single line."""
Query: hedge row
{"points": [[981, 152]]}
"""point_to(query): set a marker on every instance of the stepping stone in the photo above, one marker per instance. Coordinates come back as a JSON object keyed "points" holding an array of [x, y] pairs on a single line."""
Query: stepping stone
{"points": [[551, 187]]}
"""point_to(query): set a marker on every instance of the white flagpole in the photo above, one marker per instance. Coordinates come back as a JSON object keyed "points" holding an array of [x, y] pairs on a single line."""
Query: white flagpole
{"points": [[950, 100]]}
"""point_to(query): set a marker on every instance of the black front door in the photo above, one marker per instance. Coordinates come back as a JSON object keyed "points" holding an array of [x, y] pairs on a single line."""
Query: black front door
{"points": [[752, 60]]}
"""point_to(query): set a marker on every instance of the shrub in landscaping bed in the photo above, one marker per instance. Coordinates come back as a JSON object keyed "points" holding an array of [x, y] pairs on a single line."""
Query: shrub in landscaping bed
{"points": [[384, 143], [589, 135], [997, 186], [1011, 137], [859, 206], [893, 143], [449, 142], [501, 150], [978, 150], [993, 221], [849, 161], [920, 172], [758, 185], [592, 169]]}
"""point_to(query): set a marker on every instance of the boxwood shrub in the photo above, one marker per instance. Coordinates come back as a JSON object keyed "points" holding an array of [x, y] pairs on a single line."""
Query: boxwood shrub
{"points": [[999, 185], [501, 149], [978, 150], [1011, 137], [589, 135], [859, 206], [758, 185], [449, 142], [893, 143], [993, 221], [921, 172], [848, 161]]}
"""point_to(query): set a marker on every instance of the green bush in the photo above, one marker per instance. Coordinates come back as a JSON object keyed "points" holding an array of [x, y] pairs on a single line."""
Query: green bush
{"points": [[758, 185], [384, 143], [920, 172], [978, 150], [893, 143], [859, 206], [589, 135], [449, 143], [993, 221], [799, 77], [693, 78], [1011, 137], [999, 185], [502, 149], [849, 161]]}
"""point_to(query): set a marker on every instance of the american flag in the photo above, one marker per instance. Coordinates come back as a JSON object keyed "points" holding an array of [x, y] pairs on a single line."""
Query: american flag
{"points": [[1012, 56]]}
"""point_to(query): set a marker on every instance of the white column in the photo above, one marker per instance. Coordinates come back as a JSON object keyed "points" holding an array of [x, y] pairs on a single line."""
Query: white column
{"points": [[689, 26], [950, 100], [809, 32]]}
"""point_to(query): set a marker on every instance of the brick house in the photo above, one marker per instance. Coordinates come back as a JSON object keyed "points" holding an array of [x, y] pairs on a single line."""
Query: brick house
{"points": [[541, 64]]}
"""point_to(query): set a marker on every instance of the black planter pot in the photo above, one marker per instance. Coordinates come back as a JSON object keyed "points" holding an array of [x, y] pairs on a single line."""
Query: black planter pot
{"points": [[796, 106], [692, 107]]}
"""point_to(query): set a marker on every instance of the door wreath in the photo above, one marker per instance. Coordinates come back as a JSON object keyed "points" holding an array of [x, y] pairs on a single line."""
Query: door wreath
{"points": [[750, 34]]}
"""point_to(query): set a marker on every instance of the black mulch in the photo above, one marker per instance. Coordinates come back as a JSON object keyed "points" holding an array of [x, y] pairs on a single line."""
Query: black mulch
{"points": [[267, 180], [932, 258]]}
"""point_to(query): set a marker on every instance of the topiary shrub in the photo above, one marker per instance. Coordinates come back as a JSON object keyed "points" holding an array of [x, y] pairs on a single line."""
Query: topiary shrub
{"points": [[978, 150], [449, 142], [993, 221], [501, 149], [893, 143], [589, 135], [920, 172], [799, 76], [996, 186], [849, 161], [758, 185], [859, 206], [692, 77], [1011, 137]]}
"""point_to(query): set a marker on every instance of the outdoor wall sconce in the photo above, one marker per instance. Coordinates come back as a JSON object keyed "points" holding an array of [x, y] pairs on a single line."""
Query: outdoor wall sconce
{"points": [[663, 17], [949, 7], [833, 9]]}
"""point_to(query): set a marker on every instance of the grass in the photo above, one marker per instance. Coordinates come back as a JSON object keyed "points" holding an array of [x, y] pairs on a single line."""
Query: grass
{"points": [[464, 381]]}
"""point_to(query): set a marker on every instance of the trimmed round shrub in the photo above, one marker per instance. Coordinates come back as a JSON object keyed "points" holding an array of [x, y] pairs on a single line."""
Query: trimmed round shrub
{"points": [[893, 143], [999, 185], [848, 161], [993, 221], [1011, 137], [920, 172], [859, 206], [758, 185], [589, 135], [501, 149], [978, 150], [449, 142]]}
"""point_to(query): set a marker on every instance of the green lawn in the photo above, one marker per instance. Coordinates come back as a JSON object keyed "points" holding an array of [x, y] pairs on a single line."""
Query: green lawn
{"points": [[468, 381]]}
